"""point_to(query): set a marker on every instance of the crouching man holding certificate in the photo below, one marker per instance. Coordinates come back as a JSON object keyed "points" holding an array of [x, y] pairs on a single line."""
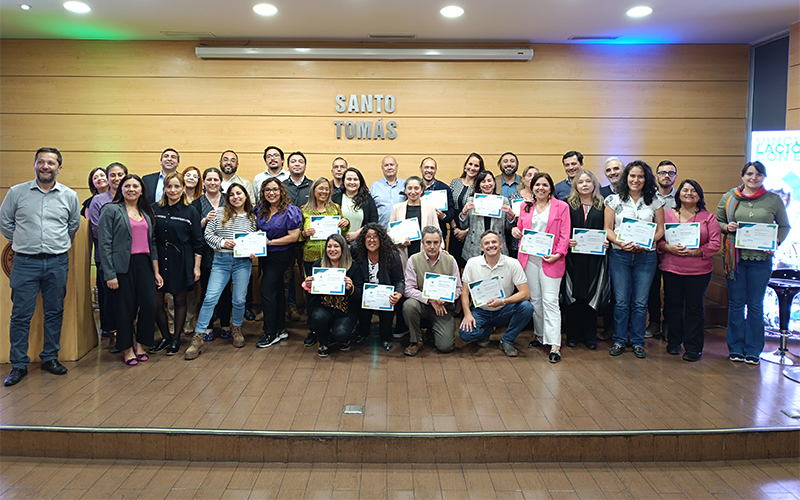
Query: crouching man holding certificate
{"points": [[432, 284], [506, 308]]}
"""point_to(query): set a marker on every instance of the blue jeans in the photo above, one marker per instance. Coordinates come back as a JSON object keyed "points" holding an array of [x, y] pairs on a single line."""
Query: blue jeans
{"points": [[28, 277], [631, 277], [516, 316], [224, 268], [746, 335]]}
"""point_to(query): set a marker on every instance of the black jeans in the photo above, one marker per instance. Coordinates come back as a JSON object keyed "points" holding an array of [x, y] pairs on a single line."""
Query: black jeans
{"points": [[385, 323], [684, 310], [331, 325], [135, 299], [108, 320], [580, 322], [273, 300], [654, 299]]}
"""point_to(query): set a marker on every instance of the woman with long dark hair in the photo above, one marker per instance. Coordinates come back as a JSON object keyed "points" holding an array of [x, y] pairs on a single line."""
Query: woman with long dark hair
{"points": [[98, 183], [748, 271], [462, 188], [357, 204], [129, 259], [180, 248], [687, 271], [237, 217], [332, 317], [475, 225], [380, 263], [276, 216], [632, 266]]}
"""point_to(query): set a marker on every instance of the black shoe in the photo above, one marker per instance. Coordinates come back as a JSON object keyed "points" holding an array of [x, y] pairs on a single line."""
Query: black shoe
{"points": [[344, 346], [616, 350], [535, 343], [638, 351], [555, 357], [15, 376], [162, 344], [310, 340], [174, 346], [323, 351], [692, 356], [674, 350], [387, 346], [248, 314], [591, 345], [572, 343], [54, 367], [114, 350], [267, 340]]}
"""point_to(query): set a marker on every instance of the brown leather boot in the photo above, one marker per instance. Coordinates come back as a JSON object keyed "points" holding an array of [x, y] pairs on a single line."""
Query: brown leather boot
{"points": [[196, 348], [238, 338]]}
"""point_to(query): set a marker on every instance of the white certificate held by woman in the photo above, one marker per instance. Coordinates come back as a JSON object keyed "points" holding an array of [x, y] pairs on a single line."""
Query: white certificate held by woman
{"points": [[437, 198], [488, 205], [485, 290], [406, 228], [377, 297], [536, 243], [590, 241], [439, 286], [516, 206], [752, 236], [328, 280], [637, 231], [685, 233], [250, 243], [324, 226]]}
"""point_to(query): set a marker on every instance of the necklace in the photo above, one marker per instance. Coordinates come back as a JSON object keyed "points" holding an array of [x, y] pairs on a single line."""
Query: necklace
{"points": [[694, 216]]}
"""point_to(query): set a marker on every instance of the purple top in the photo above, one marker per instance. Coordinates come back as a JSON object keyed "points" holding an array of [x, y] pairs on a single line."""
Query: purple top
{"points": [[98, 202], [280, 225], [140, 238]]}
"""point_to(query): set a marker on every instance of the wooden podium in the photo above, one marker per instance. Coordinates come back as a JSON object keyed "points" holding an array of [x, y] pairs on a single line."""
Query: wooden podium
{"points": [[78, 332]]}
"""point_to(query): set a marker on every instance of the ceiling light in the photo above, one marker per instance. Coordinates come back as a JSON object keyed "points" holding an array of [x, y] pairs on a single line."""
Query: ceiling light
{"points": [[265, 9], [302, 49], [24, 6], [365, 53], [452, 11], [640, 11], [77, 7]]}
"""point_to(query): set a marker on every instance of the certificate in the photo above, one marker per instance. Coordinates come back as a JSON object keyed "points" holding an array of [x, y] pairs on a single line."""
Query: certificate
{"points": [[324, 226], [250, 243], [328, 280], [516, 206], [377, 297], [436, 198], [754, 236], [488, 205], [590, 241], [406, 228], [485, 290], [536, 243], [439, 286], [686, 234], [637, 231]]}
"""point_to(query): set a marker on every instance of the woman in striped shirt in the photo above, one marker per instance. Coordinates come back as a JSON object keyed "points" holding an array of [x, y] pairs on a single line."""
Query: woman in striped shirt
{"points": [[238, 217]]}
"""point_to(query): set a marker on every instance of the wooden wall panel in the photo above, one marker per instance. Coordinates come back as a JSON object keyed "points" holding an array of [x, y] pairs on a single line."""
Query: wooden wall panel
{"points": [[415, 98], [793, 97], [550, 62]]}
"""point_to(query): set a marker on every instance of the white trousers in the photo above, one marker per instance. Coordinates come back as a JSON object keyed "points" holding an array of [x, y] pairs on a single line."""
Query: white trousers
{"points": [[544, 298]]}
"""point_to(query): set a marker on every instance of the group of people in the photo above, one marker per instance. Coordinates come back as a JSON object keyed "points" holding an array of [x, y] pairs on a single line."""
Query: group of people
{"points": [[172, 235]]}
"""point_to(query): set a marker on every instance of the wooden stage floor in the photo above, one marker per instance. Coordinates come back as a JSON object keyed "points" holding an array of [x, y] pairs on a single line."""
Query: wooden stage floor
{"points": [[288, 387]]}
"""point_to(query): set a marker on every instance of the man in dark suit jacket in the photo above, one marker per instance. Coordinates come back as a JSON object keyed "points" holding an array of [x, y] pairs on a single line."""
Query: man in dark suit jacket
{"points": [[428, 169], [154, 183], [613, 170]]}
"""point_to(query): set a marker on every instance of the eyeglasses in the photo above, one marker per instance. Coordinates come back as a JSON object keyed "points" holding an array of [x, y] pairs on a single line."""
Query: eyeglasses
{"points": [[666, 174], [274, 156]]}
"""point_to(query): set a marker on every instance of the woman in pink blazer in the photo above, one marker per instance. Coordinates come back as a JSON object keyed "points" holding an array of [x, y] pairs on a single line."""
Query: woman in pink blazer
{"points": [[549, 215]]}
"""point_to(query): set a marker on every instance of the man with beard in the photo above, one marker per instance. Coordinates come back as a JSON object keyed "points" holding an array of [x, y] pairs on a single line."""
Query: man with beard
{"points": [[613, 170], [154, 183], [273, 159], [509, 163], [573, 163], [337, 174], [298, 186], [39, 218], [428, 169], [229, 164], [666, 174]]}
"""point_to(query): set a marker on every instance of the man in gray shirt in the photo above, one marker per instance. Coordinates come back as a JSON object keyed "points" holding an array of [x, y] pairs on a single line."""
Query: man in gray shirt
{"points": [[39, 218]]}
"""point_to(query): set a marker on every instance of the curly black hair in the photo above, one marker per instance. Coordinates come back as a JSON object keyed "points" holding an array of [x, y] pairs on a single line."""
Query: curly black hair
{"points": [[649, 189], [387, 246]]}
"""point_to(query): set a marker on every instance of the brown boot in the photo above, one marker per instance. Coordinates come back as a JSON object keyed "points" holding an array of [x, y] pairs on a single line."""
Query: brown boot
{"points": [[196, 348], [238, 338], [413, 349], [292, 314]]}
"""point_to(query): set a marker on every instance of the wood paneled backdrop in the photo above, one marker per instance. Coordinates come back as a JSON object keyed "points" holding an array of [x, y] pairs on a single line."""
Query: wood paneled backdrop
{"points": [[793, 97]]}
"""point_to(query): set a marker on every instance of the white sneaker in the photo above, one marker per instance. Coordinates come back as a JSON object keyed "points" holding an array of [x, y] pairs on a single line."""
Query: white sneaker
{"points": [[284, 334]]}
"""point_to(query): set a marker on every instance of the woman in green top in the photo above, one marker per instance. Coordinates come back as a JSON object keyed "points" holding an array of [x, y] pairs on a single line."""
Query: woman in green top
{"points": [[748, 271], [319, 203]]}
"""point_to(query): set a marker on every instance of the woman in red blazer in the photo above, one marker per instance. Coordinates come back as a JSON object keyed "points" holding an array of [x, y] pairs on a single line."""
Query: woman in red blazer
{"points": [[548, 215]]}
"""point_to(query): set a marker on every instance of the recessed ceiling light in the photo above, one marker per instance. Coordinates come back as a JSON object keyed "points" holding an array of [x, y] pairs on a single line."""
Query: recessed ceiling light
{"points": [[265, 9], [452, 11], [24, 6], [640, 11], [302, 49], [77, 7]]}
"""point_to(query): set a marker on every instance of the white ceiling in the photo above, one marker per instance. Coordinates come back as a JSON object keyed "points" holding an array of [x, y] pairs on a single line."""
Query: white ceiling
{"points": [[535, 21]]}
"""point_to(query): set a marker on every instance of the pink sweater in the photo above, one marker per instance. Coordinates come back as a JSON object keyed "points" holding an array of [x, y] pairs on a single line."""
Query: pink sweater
{"points": [[710, 242], [558, 224]]}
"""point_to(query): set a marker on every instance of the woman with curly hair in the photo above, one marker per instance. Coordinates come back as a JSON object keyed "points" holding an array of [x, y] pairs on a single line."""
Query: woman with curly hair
{"points": [[630, 265], [281, 220], [357, 204], [462, 188], [380, 264]]}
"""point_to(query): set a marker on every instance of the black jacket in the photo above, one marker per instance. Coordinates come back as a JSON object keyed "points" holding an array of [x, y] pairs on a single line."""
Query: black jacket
{"points": [[370, 209]]}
